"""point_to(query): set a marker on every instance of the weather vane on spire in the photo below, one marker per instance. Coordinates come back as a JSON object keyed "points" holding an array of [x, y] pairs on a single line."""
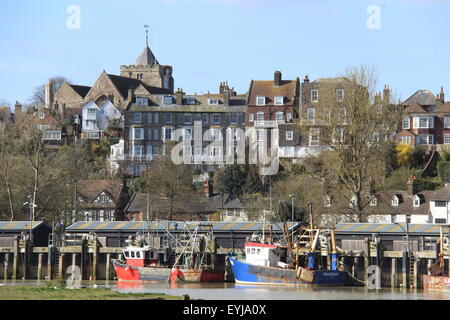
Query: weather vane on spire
{"points": [[146, 33]]}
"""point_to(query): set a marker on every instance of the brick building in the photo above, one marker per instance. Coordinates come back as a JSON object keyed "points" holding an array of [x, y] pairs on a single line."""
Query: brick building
{"points": [[426, 121], [150, 121]]}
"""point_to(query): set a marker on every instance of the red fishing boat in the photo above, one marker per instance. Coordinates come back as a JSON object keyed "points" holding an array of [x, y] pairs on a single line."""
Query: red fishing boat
{"points": [[192, 262]]}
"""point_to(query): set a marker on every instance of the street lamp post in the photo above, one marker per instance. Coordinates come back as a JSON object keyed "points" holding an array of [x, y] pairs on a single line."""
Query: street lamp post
{"points": [[30, 205], [405, 253], [292, 197]]}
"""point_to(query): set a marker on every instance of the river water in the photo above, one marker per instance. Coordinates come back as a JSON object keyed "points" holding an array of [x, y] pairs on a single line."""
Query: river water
{"points": [[230, 291]]}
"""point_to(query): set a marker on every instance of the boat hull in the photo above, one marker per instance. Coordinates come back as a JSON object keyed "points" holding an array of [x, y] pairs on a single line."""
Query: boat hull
{"points": [[130, 273], [436, 283], [245, 273]]}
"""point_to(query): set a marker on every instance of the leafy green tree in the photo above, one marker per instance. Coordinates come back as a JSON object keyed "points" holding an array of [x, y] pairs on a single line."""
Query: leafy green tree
{"points": [[231, 179]]}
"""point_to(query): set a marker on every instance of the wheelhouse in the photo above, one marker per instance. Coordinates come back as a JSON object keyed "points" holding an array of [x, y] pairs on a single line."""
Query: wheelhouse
{"points": [[139, 257]]}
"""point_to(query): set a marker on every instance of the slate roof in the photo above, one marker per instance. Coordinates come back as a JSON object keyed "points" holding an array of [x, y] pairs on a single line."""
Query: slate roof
{"points": [[442, 194], [422, 97], [81, 90], [124, 83], [146, 57]]}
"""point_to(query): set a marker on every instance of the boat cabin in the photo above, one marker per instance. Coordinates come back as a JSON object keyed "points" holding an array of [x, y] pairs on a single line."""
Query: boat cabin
{"points": [[140, 257], [260, 254]]}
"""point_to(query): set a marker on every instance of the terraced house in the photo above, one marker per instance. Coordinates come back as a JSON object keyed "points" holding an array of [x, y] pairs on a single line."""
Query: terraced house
{"points": [[151, 121]]}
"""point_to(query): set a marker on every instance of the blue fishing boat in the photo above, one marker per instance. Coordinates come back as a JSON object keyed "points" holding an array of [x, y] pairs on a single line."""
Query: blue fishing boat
{"points": [[262, 266]]}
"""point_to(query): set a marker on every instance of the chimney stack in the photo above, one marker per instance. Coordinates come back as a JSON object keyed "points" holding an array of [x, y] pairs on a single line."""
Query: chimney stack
{"points": [[306, 79], [386, 94], [179, 96], [226, 97], [223, 87], [410, 185], [17, 108], [207, 188], [277, 78], [130, 94], [442, 95], [48, 94]]}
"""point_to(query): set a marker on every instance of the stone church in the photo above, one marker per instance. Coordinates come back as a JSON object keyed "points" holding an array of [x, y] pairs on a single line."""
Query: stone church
{"points": [[146, 73]]}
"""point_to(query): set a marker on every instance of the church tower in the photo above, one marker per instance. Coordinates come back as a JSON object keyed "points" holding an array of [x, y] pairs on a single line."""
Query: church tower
{"points": [[148, 70]]}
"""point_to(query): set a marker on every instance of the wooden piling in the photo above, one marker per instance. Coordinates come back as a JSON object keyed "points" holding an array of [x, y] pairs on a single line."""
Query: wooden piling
{"points": [[416, 266], [60, 266], [5, 273], [49, 263], [404, 270], [354, 266], [39, 271], [94, 258], [16, 255], [366, 258], [429, 264], [74, 264], [393, 272], [108, 262]]}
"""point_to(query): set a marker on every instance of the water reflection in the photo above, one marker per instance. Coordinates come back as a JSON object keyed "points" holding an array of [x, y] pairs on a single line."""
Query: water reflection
{"points": [[231, 291]]}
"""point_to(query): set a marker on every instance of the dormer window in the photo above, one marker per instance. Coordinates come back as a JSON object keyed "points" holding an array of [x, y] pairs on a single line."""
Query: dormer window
{"points": [[416, 201], [260, 101], [289, 135], [373, 202], [279, 100], [213, 101], [395, 201], [41, 115], [168, 99], [140, 101], [191, 101]]}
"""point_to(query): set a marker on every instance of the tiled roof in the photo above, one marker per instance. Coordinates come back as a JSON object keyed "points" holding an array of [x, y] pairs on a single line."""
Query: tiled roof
{"points": [[415, 108], [442, 107], [91, 189], [19, 225], [442, 194], [287, 89]]}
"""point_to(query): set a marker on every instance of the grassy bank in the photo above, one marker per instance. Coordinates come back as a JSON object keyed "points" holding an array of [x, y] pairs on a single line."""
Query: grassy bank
{"points": [[45, 293]]}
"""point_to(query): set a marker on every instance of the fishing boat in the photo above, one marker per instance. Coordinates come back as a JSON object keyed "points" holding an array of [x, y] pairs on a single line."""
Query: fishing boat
{"points": [[263, 265], [191, 256], [142, 264], [437, 281]]}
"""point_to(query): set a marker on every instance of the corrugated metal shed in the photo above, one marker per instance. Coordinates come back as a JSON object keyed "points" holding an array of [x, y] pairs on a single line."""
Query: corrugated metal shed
{"points": [[391, 228], [136, 226], [15, 226]]}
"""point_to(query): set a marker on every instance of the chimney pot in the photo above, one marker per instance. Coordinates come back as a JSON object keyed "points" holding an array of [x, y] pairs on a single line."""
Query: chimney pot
{"points": [[277, 78]]}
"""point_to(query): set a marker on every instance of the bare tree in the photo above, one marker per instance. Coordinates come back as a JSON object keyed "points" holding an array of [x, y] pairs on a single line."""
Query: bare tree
{"points": [[354, 123], [167, 178], [38, 97]]}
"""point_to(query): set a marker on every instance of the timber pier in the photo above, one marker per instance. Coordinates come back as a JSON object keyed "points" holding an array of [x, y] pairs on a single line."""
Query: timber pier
{"points": [[85, 249]]}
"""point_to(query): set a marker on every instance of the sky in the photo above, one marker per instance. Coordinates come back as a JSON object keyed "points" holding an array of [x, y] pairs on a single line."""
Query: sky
{"points": [[209, 41]]}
